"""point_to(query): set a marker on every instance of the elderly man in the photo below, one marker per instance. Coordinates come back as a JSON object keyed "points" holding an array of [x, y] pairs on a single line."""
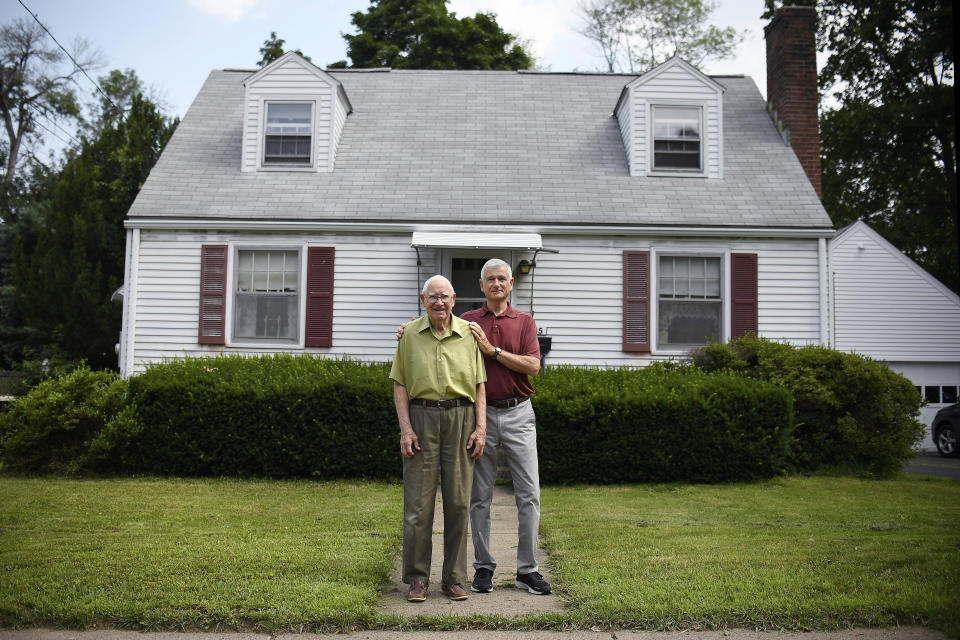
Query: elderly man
{"points": [[508, 340], [440, 398]]}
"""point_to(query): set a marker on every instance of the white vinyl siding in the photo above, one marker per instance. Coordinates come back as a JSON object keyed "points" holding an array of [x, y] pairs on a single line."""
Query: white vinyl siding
{"points": [[577, 293], [674, 86], [885, 306], [375, 289], [292, 81], [623, 121]]}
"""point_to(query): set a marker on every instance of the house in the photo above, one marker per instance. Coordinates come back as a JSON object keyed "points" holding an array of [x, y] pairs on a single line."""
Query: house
{"points": [[299, 210], [885, 306]]}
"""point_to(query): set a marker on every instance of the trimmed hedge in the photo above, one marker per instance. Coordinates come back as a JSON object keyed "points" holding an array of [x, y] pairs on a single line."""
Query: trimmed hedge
{"points": [[297, 416], [276, 416], [854, 414], [605, 426]]}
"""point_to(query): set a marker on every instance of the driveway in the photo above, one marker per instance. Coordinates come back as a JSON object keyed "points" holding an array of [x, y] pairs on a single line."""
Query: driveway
{"points": [[931, 463]]}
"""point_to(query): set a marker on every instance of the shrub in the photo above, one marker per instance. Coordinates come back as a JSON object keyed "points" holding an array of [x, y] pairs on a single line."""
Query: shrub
{"points": [[67, 424], [854, 414], [276, 416], [629, 425]]}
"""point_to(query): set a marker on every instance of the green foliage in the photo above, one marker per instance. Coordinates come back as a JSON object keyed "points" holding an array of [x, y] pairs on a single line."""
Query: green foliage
{"points": [[69, 255], [424, 34], [273, 48], [889, 148], [627, 425], [276, 416], [67, 425], [34, 78], [853, 414], [637, 35]]}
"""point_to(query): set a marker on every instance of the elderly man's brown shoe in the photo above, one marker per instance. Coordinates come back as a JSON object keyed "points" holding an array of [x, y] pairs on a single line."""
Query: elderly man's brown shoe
{"points": [[418, 591], [454, 591]]}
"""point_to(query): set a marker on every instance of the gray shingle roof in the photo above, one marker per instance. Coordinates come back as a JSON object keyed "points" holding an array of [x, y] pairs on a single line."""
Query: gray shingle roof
{"points": [[479, 147]]}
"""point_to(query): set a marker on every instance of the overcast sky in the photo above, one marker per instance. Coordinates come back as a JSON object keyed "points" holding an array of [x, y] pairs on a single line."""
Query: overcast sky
{"points": [[174, 44]]}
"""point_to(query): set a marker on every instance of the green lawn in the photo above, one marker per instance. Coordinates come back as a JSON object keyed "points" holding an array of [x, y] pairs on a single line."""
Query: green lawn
{"points": [[792, 553], [194, 553], [224, 554]]}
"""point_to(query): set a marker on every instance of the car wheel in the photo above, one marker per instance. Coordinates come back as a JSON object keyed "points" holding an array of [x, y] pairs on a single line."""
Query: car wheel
{"points": [[946, 440]]}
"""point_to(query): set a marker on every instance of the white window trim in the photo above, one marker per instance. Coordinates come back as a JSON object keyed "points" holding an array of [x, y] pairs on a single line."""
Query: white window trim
{"points": [[262, 131], [651, 125], [246, 343], [725, 292]]}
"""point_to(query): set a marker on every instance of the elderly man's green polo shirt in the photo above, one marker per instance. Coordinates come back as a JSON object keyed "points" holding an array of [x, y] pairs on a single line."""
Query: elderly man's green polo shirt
{"points": [[432, 368]]}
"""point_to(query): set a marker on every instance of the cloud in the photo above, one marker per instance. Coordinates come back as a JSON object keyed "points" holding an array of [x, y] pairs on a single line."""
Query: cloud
{"points": [[230, 10], [542, 21]]}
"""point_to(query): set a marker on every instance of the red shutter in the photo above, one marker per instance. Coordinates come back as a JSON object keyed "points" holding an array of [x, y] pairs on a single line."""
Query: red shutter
{"points": [[319, 297], [636, 301], [213, 293], [744, 284]]}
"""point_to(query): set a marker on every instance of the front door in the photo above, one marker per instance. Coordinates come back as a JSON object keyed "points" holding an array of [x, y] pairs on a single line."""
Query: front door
{"points": [[463, 270]]}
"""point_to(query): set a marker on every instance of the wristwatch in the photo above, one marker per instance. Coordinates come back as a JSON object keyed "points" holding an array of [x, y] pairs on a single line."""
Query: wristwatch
{"points": [[496, 353]]}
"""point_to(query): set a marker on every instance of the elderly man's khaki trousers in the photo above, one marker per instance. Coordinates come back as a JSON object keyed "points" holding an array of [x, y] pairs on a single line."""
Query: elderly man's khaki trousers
{"points": [[443, 455]]}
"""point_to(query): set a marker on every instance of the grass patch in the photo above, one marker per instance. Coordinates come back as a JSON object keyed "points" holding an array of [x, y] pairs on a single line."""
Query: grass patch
{"points": [[796, 553], [195, 554], [175, 554]]}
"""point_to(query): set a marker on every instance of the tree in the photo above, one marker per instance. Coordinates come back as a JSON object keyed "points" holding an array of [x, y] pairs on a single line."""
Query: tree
{"points": [[70, 258], [424, 34], [637, 35], [888, 137], [33, 86], [273, 48]]}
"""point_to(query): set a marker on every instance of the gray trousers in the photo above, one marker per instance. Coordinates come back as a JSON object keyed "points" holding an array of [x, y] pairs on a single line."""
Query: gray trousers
{"points": [[443, 455], [514, 430]]}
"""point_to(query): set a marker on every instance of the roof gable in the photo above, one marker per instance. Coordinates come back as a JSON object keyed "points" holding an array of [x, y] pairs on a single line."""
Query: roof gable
{"points": [[856, 230]]}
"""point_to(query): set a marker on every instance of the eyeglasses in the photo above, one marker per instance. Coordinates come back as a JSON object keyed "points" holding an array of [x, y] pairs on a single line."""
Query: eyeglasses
{"points": [[442, 297]]}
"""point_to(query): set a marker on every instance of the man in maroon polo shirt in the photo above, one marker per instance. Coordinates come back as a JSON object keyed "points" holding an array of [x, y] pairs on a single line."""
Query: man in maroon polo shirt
{"points": [[511, 353]]}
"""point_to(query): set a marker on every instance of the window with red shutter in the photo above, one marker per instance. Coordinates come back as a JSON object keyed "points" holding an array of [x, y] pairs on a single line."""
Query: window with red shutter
{"points": [[744, 307], [213, 294], [319, 327], [636, 301]]}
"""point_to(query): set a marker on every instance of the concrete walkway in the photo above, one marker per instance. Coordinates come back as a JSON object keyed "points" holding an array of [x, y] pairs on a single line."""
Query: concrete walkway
{"points": [[505, 599]]}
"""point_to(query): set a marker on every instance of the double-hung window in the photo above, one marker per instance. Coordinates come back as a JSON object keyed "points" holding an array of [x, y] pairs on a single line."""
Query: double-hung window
{"points": [[289, 134], [677, 139], [268, 296], [675, 302], [690, 307], [266, 300]]}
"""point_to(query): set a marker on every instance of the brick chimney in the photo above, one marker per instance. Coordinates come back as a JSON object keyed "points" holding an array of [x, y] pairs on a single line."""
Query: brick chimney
{"points": [[792, 84]]}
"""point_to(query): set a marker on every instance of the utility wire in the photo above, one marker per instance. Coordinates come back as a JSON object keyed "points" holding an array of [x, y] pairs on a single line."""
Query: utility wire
{"points": [[72, 59], [41, 112]]}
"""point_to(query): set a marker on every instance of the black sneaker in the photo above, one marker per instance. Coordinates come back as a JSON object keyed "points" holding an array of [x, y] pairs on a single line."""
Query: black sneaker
{"points": [[482, 581], [533, 582]]}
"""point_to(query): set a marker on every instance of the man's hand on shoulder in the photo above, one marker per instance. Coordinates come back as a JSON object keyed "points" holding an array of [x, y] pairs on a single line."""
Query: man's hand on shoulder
{"points": [[402, 327], [485, 347]]}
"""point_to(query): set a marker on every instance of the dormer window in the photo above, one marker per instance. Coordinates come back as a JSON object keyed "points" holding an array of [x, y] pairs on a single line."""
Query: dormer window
{"points": [[289, 133], [676, 139]]}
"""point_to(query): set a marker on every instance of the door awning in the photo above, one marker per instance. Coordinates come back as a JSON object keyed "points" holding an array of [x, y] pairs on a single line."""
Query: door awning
{"points": [[515, 241]]}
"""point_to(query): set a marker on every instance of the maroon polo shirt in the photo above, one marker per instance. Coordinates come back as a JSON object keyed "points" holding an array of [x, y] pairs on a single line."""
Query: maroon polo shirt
{"points": [[513, 331]]}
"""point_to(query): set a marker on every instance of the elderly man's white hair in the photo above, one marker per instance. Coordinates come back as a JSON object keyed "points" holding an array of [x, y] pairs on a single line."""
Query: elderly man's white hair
{"points": [[426, 285], [494, 263]]}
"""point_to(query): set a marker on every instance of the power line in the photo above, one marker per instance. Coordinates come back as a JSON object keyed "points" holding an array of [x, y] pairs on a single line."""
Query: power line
{"points": [[41, 112], [76, 64]]}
